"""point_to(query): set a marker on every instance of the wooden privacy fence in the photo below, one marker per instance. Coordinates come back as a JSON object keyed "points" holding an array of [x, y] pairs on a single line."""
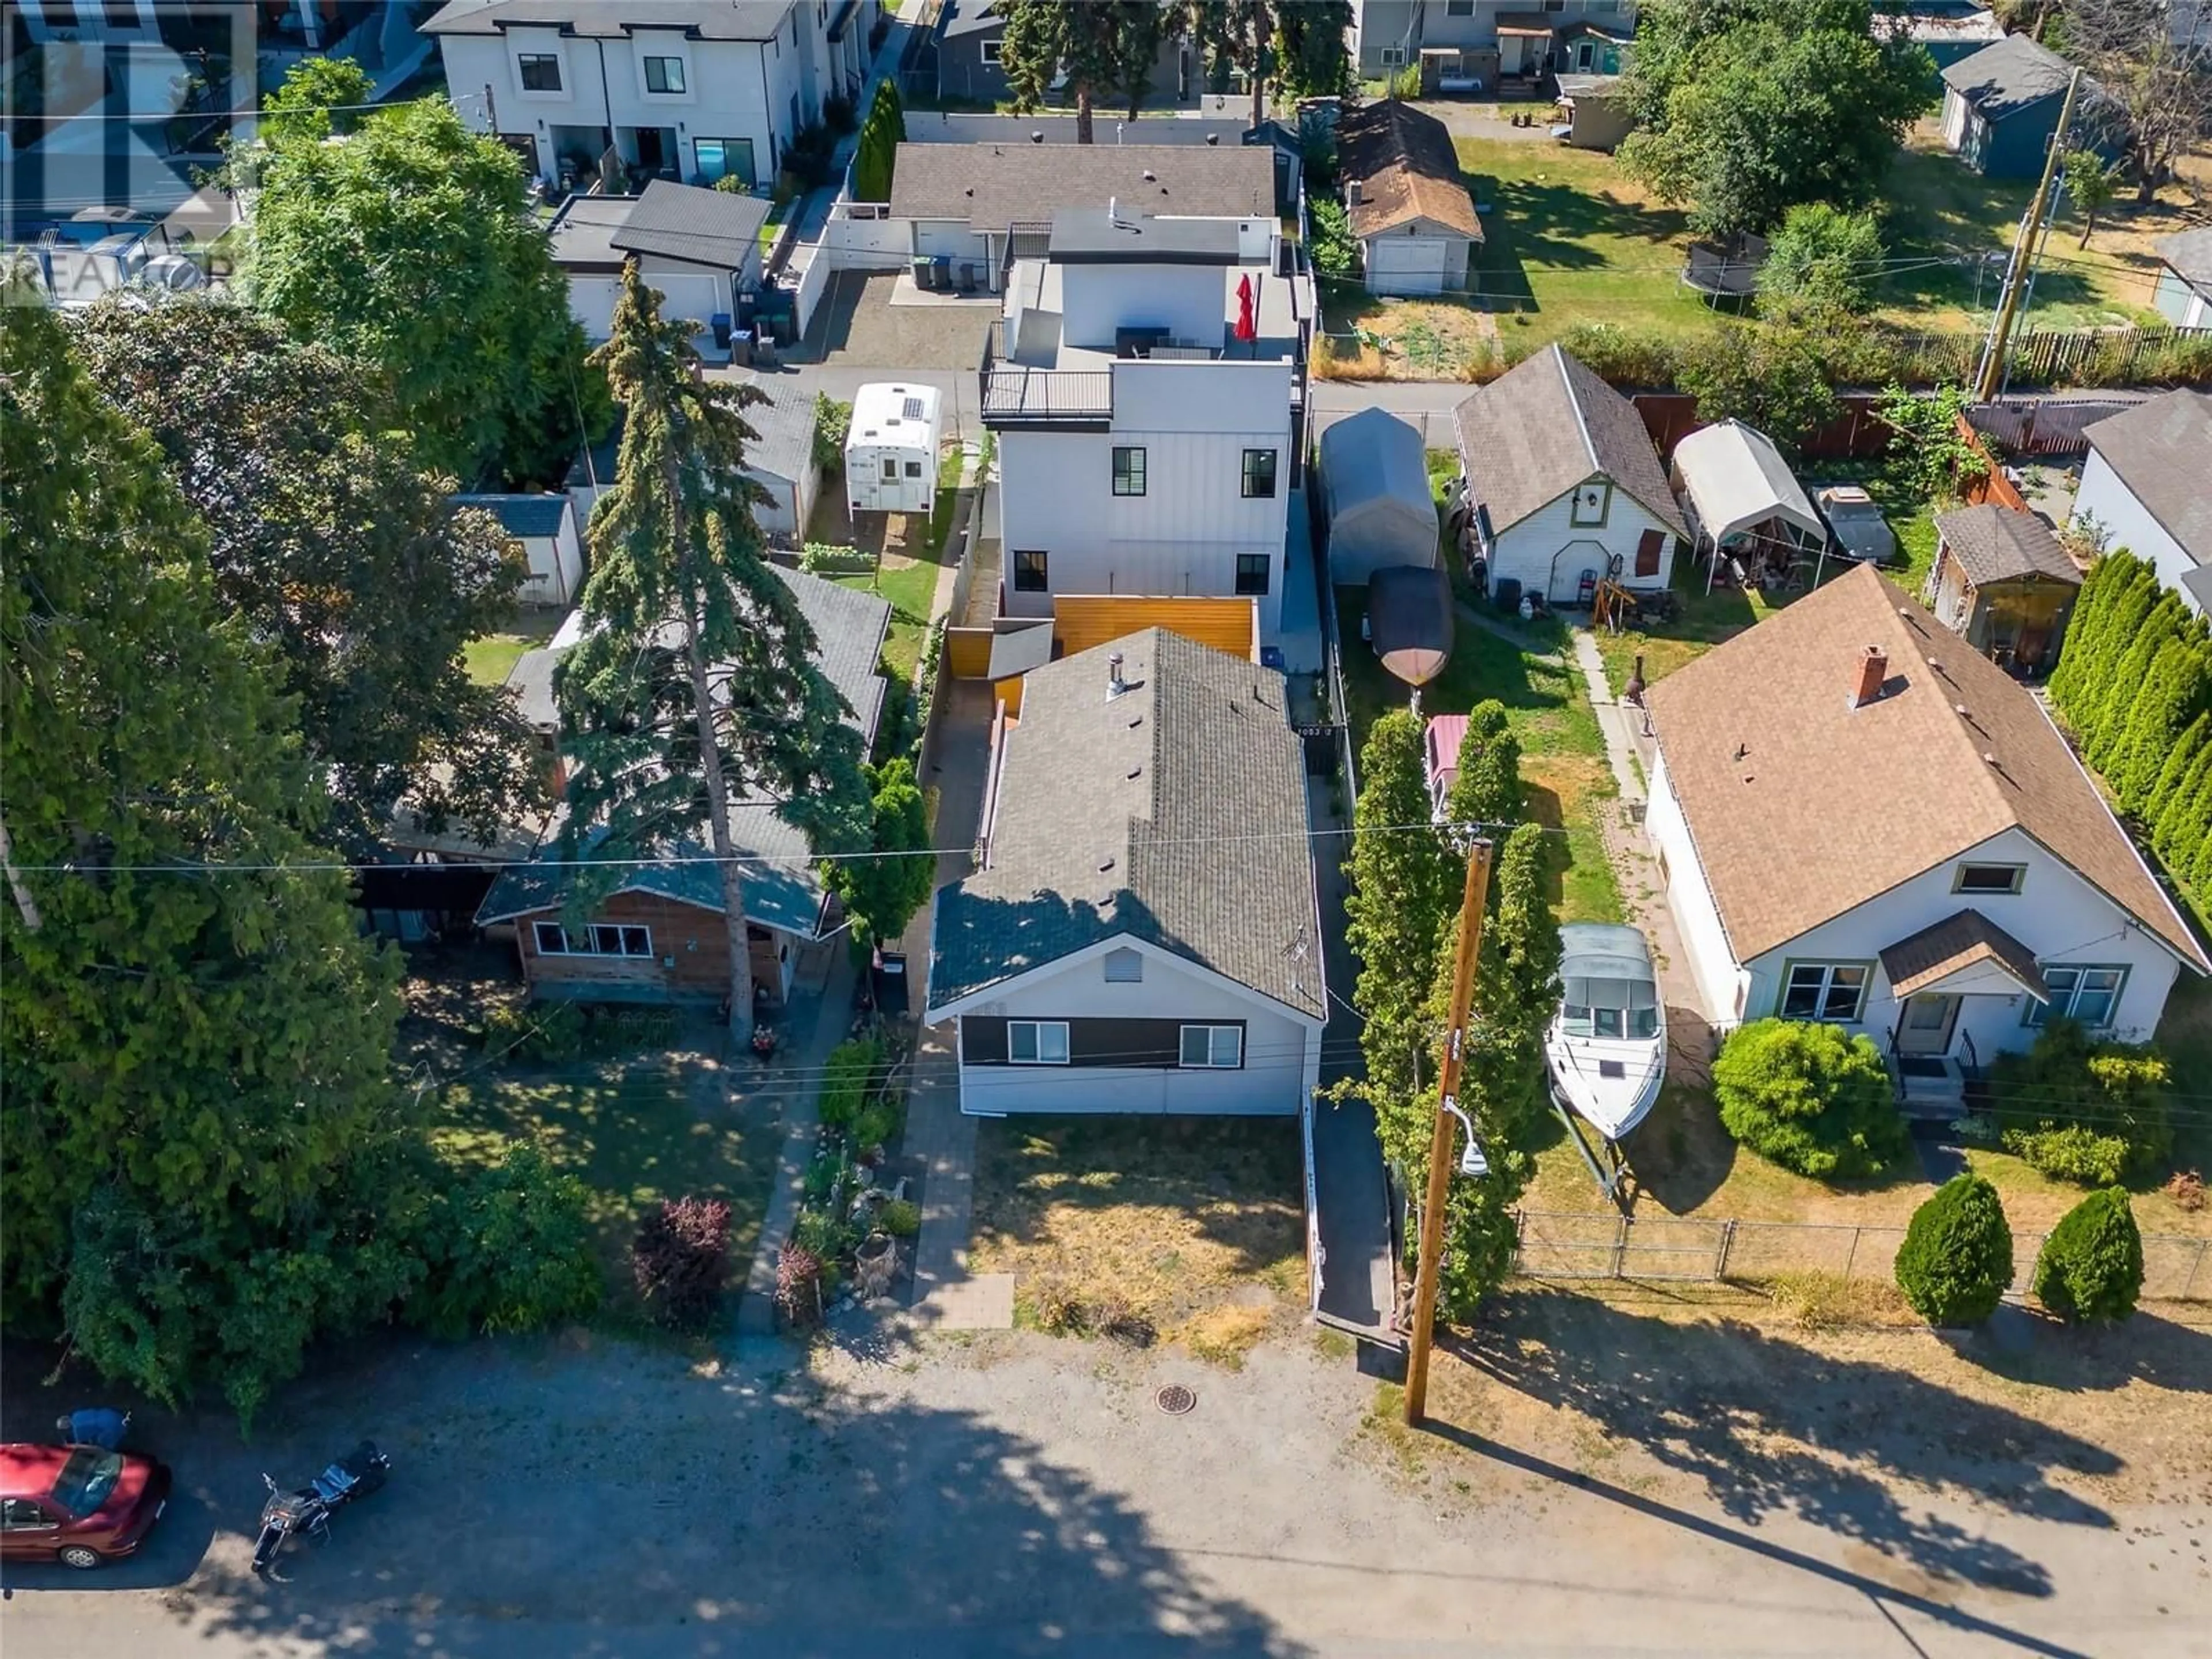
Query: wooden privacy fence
{"points": [[1602, 1244]]}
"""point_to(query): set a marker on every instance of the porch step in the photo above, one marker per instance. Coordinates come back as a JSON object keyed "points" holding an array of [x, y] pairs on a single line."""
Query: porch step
{"points": [[1930, 1087]]}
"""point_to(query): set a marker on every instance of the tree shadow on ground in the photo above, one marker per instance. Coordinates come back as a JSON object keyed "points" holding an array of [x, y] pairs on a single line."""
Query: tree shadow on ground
{"points": [[1770, 1428], [591, 1498]]}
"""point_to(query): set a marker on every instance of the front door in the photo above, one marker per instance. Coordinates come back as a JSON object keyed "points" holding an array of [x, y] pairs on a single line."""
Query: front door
{"points": [[1927, 1025]]}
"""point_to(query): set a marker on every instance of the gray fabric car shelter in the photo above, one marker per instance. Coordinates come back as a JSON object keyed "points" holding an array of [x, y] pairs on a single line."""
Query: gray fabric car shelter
{"points": [[1375, 480]]}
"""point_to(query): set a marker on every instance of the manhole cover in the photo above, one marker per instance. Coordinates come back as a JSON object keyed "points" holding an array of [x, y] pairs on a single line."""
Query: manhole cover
{"points": [[1175, 1400]]}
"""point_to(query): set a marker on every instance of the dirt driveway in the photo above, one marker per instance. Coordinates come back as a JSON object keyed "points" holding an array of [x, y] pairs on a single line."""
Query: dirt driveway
{"points": [[1605, 1478]]}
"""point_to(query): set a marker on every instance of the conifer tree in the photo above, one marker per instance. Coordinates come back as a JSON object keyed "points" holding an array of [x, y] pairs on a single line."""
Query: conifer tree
{"points": [[2129, 676], [694, 687], [2082, 627], [2183, 757], [1486, 788], [2172, 695], [2123, 620]]}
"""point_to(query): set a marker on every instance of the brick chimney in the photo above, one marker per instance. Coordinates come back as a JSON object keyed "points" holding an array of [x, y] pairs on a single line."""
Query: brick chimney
{"points": [[1873, 668]]}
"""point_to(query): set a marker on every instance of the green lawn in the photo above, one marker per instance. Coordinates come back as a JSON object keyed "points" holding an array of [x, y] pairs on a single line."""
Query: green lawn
{"points": [[491, 659], [1562, 752], [911, 589]]}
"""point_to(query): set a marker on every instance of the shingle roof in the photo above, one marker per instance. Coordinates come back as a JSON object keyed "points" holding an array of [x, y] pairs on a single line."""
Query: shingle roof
{"points": [[786, 425], [683, 222], [962, 17], [535, 516], [2008, 76], [1407, 169], [1964, 938], [782, 887], [993, 185], [848, 626], [1540, 430], [1995, 544], [1783, 852], [2189, 253], [1174, 813], [708, 20], [2158, 449]]}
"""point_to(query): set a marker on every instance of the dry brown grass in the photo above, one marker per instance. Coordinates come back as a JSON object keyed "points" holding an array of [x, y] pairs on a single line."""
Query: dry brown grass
{"points": [[1193, 1230], [1829, 1301]]}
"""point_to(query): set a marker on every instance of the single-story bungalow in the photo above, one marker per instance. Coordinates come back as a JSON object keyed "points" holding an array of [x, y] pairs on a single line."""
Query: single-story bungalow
{"points": [[2003, 582], [1742, 503], [2144, 487], [1374, 481], [546, 526], [660, 936], [1860, 822], [1142, 933], [1414, 220], [2183, 294], [700, 248], [964, 202]]}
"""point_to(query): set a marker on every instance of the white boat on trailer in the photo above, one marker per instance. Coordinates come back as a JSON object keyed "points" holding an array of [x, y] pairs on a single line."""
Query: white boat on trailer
{"points": [[1606, 1046]]}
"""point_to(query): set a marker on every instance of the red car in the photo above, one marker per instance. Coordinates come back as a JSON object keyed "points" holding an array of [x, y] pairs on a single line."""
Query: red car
{"points": [[79, 1506]]}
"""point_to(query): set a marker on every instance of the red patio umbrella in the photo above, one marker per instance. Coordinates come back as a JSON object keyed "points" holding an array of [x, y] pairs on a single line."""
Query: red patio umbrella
{"points": [[1247, 328]]}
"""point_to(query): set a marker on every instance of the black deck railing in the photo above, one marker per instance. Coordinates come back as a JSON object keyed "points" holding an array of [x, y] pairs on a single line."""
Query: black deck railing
{"points": [[1015, 395]]}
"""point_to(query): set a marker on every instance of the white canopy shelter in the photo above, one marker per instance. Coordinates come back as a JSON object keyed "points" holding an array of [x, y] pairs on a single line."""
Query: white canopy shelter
{"points": [[1381, 514], [1737, 489]]}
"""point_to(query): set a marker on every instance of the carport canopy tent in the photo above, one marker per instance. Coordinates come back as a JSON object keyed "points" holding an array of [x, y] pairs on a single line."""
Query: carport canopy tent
{"points": [[1737, 481]]}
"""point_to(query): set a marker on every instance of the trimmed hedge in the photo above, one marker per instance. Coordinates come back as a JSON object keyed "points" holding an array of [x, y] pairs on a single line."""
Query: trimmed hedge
{"points": [[1810, 1098], [2091, 1265], [2091, 1113], [1956, 1261]]}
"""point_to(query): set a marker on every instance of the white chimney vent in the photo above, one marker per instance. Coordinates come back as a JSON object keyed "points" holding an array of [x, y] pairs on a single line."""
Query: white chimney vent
{"points": [[1115, 685], [1351, 197]]}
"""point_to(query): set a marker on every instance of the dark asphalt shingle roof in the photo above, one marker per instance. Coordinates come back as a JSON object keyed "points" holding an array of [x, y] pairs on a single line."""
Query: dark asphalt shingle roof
{"points": [[849, 626], [707, 19], [964, 17], [1174, 813], [1995, 544], [2008, 76], [2162, 451], [535, 516], [993, 185], [1544, 426], [683, 222]]}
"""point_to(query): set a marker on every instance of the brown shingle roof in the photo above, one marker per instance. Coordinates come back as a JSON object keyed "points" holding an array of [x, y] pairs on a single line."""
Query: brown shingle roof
{"points": [[1407, 169], [993, 185], [2158, 449], [1995, 544], [1830, 806], [1963, 940], [1540, 430]]}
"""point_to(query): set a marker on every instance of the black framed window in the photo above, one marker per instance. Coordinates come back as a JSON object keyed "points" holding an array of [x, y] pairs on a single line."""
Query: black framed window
{"points": [[1259, 475], [1129, 471], [1028, 571], [1252, 573], [540, 71], [664, 75]]}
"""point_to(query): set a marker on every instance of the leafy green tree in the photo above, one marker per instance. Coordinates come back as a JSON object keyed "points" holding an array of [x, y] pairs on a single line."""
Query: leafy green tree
{"points": [[1768, 376], [1486, 789], [1810, 1098], [341, 552], [202, 1136], [508, 1250], [1745, 108], [2084, 1111], [321, 98], [2091, 1265], [1312, 48], [2093, 184], [1335, 255], [885, 892], [1925, 443], [1106, 48], [410, 246], [1956, 1261], [1822, 263], [1236, 34], [695, 686], [881, 134]]}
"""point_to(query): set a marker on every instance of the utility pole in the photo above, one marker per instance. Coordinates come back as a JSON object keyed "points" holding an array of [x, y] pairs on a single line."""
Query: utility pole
{"points": [[2024, 249], [1442, 1150]]}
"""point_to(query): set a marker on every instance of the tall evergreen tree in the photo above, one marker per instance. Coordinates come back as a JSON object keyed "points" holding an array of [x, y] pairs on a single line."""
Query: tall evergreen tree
{"points": [[1236, 35], [2116, 716], [2176, 767], [1486, 788], [1312, 48], [202, 1142], [2173, 696], [695, 686], [2122, 618], [1104, 47], [2090, 612]]}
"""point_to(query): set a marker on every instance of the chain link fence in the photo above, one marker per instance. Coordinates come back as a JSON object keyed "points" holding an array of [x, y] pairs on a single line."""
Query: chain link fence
{"points": [[1565, 1244]]}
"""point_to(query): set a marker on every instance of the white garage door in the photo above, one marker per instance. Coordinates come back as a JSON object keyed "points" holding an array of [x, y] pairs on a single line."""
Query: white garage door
{"points": [[1409, 264], [591, 303]]}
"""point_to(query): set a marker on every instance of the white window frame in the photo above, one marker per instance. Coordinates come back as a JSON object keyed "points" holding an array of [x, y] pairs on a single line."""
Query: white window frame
{"points": [[1393, 57], [552, 939], [2039, 1014], [1213, 1036], [1825, 990], [991, 49], [1036, 1029]]}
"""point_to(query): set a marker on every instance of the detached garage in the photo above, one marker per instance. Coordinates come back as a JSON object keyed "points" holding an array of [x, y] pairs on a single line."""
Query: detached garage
{"points": [[700, 248], [1376, 482], [1414, 221]]}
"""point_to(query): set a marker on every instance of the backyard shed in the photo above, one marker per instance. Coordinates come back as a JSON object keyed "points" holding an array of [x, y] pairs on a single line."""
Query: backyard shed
{"points": [[1376, 483], [1741, 499], [891, 450], [781, 462], [1597, 115], [1403, 199], [2003, 582], [552, 545]]}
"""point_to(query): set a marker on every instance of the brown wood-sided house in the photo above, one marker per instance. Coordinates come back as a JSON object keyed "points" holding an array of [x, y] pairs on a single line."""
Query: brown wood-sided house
{"points": [[2003, 583]]}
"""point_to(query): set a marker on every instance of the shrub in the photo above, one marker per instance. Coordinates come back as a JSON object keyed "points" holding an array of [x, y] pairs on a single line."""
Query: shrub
{"points": [[535, 1032], [799, 1285], [901, 1218], [845, 1080], [1956, 1260], [2091, 1265], [730, 185], [1809, 1098], [1334, 253], [841, 114], [833, 424], [878, 1123], [2082, 1111], [1822, 262], [821, 559], [507, 1249], [821, 1235], [824, 1175], [682, 1261]]}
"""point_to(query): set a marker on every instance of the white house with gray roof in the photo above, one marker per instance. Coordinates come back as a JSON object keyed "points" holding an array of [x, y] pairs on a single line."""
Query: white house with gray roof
{"points": [[700, 250], [546, 526], [2146, 487], [1142, 933]]}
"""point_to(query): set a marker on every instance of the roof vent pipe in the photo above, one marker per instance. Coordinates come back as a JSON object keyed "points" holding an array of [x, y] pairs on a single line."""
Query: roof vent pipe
{"points": [[1115, 685]]}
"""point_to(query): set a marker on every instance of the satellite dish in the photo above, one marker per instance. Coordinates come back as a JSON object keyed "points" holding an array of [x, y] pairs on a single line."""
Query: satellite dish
{"points": [[173, 273]]}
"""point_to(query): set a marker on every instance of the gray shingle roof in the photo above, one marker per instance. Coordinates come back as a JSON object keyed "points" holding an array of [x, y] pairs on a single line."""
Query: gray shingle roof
{"points": [[683, 222], [1995, 544], [2160, 449], [848, 642], [782, 888], [2189, 253], [707, 19], [786, 425], [1174, 813], [993, 185], [1540, 430], [2008, 76], [535, 516]]}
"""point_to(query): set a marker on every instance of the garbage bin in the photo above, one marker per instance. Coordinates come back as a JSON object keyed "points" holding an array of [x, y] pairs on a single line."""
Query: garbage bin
{"points": [[941, 273], [719, 322], [741, 347], [922, 271]]}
